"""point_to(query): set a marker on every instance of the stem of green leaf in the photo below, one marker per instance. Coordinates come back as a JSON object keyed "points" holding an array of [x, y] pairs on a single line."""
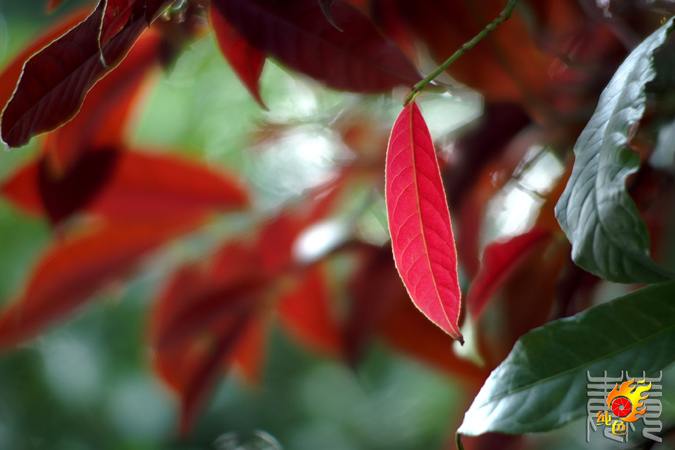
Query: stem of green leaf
{"points": [[419, 87]]}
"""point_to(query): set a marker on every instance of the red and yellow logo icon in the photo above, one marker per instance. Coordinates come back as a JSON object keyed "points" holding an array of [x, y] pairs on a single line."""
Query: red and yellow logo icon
{"points": [[626, 403]]}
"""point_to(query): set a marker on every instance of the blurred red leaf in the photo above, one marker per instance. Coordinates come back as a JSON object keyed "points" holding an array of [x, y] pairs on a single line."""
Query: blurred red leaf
{"points": [[139, 186], [71, 271], [208, 370], [407, 331], [526, 300], [64, 194], [208, 304], [275, 242], [306, 313], [371, 288], [56, 80], [385, 15], [277, 237], [197, 291], [246, 60], [249, 356], [162, 186], [105, 112], [199, 323], [500, 259], [23, 190], [12, 72], [192, 368], [358, 59], [491, 176], [497, 126], [419, 222]]}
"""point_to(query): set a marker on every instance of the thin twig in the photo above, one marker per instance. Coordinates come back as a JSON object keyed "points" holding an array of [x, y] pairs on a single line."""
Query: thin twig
{"points": [[419, 87]]}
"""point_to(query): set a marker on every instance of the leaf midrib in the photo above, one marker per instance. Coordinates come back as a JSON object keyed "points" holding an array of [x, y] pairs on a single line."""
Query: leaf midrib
{"points": [[576, 368]]}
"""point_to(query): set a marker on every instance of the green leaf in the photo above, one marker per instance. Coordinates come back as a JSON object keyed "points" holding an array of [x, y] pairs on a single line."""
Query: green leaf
{"points": [[596, 213], [541, 385]]}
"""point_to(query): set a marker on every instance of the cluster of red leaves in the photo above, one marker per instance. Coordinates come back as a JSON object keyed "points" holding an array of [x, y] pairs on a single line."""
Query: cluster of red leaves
{"points": [[112, 205]]}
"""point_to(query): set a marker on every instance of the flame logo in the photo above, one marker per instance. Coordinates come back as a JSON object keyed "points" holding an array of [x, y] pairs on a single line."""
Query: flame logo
{"points": [[624, 401]]}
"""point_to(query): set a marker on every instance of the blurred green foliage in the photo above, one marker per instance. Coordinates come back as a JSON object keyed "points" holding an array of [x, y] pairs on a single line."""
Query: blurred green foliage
{"points": [[88, 384]]}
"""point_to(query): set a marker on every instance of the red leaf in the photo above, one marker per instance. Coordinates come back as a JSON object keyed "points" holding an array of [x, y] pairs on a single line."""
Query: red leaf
{"points": [[500, 259], [200, 322], [64, 194], [275, 242], [22, 189], [12, 72], [306, 312], [371, 290], [167, 187], [56, 80], [246, 60], [277, 237], [204, 379], [73, 270], [140, 186], [115, 16], [102, 121], [199, 296], [193, 367], [412, 334], [358, 59], [419, 222], [205, 306], [249, 356]]}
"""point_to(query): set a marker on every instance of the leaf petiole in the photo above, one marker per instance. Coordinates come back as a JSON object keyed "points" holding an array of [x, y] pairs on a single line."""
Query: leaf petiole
{"points": [[419, 87]]}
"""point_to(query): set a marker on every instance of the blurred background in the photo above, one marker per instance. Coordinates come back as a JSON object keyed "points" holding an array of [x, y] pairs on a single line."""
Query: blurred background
{"points": [[88, 383]]}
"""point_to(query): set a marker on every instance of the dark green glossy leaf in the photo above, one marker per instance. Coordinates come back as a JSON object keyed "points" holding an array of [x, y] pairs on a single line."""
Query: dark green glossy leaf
{"points": [[595, 211], [541, 385]]}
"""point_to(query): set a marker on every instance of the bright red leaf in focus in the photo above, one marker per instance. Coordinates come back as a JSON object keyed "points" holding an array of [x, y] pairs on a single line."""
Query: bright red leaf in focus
{"points": [[500, 259], [296, 32], [419, 222]]}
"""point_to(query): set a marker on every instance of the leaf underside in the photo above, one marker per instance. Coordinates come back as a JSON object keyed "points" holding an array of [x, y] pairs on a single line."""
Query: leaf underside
{"points": [[419, 222], [358, 59]]}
